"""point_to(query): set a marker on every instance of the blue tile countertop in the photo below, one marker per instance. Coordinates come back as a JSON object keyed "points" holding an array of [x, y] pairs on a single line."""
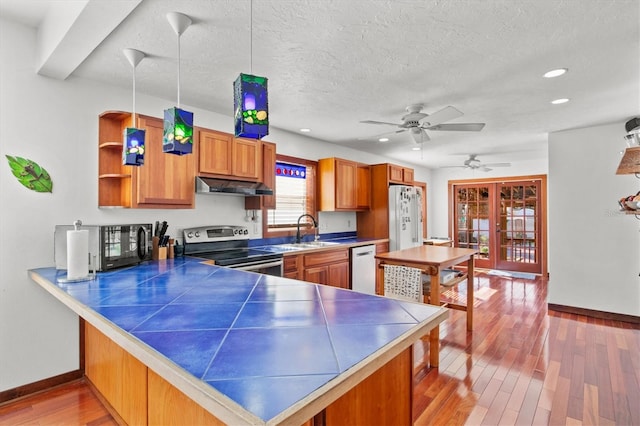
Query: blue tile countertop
{"points": [[266, 343]]}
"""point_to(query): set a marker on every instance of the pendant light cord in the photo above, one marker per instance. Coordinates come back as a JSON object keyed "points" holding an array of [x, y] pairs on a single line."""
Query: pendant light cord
{"points": [[251, 36], [133, 113], [178, 71]]}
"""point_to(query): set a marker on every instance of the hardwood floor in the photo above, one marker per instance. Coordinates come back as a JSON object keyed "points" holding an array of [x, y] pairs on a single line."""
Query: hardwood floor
{"points": [[524, 365], [520, 365]]}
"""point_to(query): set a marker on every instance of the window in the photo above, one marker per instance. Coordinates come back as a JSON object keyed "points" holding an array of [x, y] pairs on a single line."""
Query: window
{"points": [[295, 195]]}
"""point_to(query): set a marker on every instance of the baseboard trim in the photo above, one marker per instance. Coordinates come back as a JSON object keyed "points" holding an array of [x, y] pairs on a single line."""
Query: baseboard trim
{"points": [[41, 385], [594, 313]]}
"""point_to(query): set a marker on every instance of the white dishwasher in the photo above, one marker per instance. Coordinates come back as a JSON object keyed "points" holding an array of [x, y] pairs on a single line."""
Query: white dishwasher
{"points": [[363, 269]]}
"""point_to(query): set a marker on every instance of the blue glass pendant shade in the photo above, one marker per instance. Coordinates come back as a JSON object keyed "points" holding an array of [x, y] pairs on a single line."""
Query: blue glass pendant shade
{"points": [[133, 147], [251, 106], [178, 131]]}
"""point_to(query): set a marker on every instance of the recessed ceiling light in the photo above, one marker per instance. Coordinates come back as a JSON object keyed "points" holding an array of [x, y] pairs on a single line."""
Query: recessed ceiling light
{"points": [[305, 130], [555, 73], [415, 148], [560, 101], [383, 140]]}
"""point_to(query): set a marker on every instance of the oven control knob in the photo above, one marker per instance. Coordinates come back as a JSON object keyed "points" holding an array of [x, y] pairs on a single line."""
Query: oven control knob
{"points": [[190, 234], [235, 232], [197, 234], [246, 231]]}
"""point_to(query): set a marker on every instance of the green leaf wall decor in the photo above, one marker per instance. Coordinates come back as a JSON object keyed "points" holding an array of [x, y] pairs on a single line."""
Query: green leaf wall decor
{"points": [[30, 174]]}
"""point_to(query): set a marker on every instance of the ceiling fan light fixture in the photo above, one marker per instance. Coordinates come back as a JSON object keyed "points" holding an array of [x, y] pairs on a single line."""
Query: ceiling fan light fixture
{"points": [[560, 101], [555, 73]]}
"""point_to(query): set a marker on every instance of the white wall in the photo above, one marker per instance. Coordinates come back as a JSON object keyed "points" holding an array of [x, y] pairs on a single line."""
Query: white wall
{"points": [[594, 247], [55, 123]]}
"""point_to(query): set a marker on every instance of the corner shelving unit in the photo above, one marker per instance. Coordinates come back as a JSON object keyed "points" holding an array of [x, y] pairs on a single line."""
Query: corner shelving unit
{"points": [[114, 178]]}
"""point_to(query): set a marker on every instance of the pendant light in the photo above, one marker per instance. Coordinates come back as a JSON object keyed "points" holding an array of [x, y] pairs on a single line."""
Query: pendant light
{"points": [[133, 141], [250, 101], [178, 124]]}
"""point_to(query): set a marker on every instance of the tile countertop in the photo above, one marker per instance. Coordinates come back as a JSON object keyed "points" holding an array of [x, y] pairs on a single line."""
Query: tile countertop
{"points": [[247, 347]]}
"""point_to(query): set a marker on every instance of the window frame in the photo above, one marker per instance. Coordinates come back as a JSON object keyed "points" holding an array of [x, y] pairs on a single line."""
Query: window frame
{"points": [[311, 180]]}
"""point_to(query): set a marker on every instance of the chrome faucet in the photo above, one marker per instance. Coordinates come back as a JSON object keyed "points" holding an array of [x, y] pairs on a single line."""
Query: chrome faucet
{"points": [[315, 224]]}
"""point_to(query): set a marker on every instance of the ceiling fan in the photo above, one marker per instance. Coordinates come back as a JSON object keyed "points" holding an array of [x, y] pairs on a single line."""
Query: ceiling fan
{"points": [[418, 122], [474, 164]]}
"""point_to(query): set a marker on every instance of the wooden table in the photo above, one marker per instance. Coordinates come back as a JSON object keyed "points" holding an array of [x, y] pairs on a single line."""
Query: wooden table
{"points": [[431, 260]]}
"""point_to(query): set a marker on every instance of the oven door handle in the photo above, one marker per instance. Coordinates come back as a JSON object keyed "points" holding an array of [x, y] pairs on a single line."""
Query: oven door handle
{"points": [[256, 265]]}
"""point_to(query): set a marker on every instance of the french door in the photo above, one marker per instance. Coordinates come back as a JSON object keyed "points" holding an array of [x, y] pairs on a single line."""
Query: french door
{"points": [[505, 220]]}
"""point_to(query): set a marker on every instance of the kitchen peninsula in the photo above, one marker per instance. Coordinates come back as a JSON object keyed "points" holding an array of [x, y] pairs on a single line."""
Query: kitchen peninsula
{"points": [[179, 340]]}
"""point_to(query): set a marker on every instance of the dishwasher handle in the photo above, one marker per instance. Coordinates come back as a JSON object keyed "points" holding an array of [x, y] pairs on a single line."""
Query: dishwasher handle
{"points": [[365, 253]]}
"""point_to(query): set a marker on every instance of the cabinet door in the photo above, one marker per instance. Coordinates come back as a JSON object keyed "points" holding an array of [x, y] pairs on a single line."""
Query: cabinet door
{"points": [[339, 275], [346, 176], [214, 152], [268, 178], [247, 159], [407, 175], [318, 274], [395, 173], [363, 187], [165, 180]]}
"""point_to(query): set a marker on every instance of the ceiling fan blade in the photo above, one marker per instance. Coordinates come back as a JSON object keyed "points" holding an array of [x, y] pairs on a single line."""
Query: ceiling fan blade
{"points": [[497, 165], [382, 134], [459, 127], [452, 167], [380, 122], [445, 114], [485, 169]]}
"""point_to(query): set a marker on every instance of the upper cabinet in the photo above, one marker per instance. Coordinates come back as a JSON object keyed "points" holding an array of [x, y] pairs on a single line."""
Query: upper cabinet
{"points": [[164, 181], [399, 174], [268, 178], [343, 185], [222, 155]]}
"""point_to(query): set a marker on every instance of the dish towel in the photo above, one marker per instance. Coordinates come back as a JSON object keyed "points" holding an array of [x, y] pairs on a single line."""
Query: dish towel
{"points": [[403, 282]]}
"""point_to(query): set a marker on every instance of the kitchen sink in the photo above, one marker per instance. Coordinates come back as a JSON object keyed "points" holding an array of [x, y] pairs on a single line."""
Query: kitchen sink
{"points": [[307, 245]]}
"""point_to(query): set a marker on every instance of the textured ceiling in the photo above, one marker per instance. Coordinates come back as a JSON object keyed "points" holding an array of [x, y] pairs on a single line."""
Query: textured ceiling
{"points": [[332, 64]]}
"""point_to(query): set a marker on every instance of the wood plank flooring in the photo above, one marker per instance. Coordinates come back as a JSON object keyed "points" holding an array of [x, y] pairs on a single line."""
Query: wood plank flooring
{"points": [[520, 365], [525, 365]]}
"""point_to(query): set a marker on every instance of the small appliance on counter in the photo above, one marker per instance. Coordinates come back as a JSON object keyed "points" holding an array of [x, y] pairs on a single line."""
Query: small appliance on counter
{"points": [[110, 246]]}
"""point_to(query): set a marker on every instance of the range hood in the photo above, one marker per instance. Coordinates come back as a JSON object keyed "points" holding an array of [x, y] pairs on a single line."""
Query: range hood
{"points": [[207, 185]]}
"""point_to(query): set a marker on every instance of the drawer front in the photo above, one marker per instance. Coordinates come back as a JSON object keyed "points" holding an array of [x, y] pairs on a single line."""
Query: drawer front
{"points": [[290, 263], [329, 256]]}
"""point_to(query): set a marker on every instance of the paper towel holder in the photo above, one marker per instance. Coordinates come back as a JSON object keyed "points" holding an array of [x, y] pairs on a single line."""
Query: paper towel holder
{"points": [[91, 275]]}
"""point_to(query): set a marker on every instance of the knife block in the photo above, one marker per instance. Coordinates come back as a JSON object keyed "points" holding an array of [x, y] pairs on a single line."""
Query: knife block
{"points": [[157, 252]]}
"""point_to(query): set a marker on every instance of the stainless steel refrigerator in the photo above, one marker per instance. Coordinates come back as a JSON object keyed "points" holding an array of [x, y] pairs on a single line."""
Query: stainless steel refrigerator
{"points": [[405, 217]]}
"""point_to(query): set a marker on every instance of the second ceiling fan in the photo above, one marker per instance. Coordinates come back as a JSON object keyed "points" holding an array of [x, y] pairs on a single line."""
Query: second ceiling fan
{"points": [[418, 122]]}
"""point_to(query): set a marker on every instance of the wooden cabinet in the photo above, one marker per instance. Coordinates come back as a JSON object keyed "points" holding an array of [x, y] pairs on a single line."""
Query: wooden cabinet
{"points": [[268, 178], [343, 185], [114, 179], [363, 187], [382, 247], [222, 155], [399, 174], [330, 267], [164, 181], [291, 267], [374, 223]]}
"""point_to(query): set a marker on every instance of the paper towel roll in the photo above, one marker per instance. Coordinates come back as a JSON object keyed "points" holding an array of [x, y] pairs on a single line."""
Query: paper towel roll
{"points": [[77, 254]]}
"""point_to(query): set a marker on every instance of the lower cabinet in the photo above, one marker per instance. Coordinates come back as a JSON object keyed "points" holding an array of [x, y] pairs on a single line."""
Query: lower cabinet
{"points": [[291, 267], [329, 267]]}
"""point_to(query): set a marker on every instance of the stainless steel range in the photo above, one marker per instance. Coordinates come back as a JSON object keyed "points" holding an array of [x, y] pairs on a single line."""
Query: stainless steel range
{"points": [[229, 246]]}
